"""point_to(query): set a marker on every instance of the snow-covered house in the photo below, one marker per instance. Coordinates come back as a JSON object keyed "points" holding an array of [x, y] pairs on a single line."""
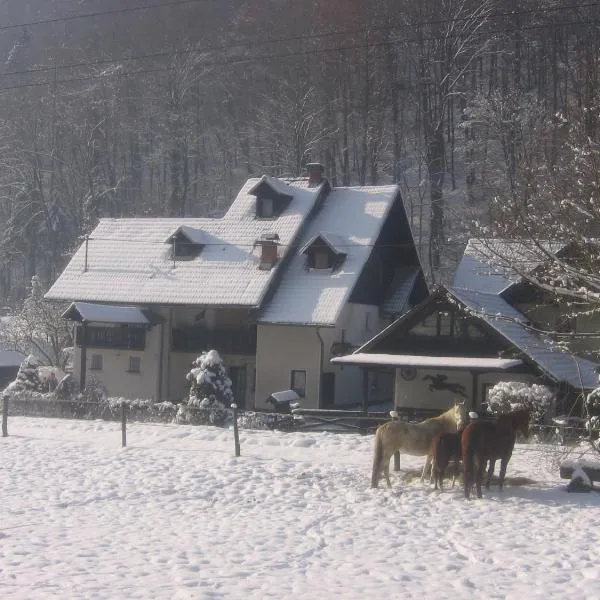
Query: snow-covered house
{"points": [[462, 340], [294, 273]]}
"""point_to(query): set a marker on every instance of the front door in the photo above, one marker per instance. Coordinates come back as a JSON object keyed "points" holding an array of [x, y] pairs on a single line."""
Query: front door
{"points": [[238, 385], [328, 390]]}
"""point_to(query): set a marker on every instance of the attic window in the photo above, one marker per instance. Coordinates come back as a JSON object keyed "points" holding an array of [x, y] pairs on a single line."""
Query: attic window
{"points": [[322, 259], [264, 208], [272, 197], [323, 252], [185, 250], [186, 243]]}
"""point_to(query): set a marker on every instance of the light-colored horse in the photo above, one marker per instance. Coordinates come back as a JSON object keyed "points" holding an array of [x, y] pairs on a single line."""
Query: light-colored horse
{"points": [[412, 438]]}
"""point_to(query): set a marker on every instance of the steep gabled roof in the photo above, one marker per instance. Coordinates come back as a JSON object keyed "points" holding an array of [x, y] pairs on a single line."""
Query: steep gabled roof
{"points": [[483, 266], [317, 297], [553, 360], [126, 261]]}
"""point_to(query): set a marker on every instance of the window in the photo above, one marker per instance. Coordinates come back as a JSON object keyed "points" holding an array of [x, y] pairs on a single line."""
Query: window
{"points": [[96, 362], [322, 259], [185, 250], [298, 382], [265, 208], [135, 363]]}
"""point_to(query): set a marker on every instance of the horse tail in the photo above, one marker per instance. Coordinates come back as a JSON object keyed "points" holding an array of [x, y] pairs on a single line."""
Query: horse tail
{"points": [[377, 458]]}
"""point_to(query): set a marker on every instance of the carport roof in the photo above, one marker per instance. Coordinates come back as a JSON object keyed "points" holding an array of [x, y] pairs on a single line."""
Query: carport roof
{"points": [[411, 360]]}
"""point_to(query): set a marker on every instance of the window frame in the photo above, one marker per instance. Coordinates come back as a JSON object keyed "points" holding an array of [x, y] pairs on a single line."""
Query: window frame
{"points": [[132, 360], [294, 373], [96, 362]]}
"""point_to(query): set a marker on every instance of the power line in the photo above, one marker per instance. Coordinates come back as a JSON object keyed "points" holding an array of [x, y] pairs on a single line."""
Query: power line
{"points": [[102, 13], [257, 43], [370, 27], [226, 62]]}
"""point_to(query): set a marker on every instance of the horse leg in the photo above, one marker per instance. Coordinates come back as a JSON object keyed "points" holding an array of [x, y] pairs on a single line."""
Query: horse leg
{"points": [[455, 472], [479, 476], [441, 472], [503, 465], [397, 460], [427, 465], [386, 469], [490, 473]]}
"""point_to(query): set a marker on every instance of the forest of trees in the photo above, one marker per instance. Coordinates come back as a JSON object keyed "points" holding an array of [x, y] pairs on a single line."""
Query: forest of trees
{"points": [[481, 111]]}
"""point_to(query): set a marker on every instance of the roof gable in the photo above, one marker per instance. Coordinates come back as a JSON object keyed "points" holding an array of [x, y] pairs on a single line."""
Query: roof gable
{"points": [[350, 220], [496, 314]]}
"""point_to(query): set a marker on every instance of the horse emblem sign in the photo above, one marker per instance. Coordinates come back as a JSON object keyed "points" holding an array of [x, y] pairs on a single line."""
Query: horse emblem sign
{"points": [[440, 383]]}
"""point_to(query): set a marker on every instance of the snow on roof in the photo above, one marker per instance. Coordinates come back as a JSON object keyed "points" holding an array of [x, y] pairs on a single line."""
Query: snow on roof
{"points": [[128, 261], [281, 187], [317, 296], [285, 396], [196, 236], [87, 312], [512, 325], [337, 243], [11, 358], [485, 263], [398, 295], [441, 362]]}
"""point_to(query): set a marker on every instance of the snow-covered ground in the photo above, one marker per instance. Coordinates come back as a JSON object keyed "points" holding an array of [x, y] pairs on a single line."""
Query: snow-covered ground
{"points": [[175, 515]]}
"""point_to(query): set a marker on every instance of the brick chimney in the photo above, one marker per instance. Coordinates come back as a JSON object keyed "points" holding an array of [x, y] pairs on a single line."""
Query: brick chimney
{"points": [[268, 243], [315, 174]]}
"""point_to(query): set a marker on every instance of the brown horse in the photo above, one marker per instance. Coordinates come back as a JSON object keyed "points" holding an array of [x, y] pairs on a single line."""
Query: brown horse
{"points": [[490, 440], [411, 438], [445, 448]]}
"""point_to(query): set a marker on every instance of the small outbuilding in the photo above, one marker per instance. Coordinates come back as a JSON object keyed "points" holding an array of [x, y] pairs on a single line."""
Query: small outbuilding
{"points": [[10, 361], [459, 343]]}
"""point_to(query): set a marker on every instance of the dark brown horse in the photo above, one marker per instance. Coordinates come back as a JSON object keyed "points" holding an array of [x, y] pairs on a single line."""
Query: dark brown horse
{"points": [[445, 448], [490, 440]]}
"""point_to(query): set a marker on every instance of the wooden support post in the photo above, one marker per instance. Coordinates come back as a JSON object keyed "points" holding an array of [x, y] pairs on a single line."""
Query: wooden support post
{"points": [[5, 416], [236, 435], [83, 365], [123, 424]]}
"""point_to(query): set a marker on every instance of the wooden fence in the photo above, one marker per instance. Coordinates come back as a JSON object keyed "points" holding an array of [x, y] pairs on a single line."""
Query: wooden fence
{"points": [[74, 409]]}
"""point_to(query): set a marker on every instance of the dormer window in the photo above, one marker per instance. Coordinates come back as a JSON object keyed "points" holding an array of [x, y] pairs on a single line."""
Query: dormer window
{"points": [[324, 251], [272, 197], [186, 243]]}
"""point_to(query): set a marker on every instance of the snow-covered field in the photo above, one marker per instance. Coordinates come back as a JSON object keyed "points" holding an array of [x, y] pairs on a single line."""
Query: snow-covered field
{"points": [[176, 515]]}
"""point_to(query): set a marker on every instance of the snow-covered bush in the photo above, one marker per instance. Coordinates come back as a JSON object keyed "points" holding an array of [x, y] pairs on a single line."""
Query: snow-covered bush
{"points": [[507, 396], [210, 394], [27, 379], [94, 391], [592, 409]]}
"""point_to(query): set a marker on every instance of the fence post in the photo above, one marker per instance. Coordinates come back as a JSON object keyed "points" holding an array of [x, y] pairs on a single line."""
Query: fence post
{"points": [[5, 416], [123, 424], [236, 435]]}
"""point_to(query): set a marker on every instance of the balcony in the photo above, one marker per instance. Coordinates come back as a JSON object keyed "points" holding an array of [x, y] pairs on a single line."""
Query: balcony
{"points": [[197, 339]]}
